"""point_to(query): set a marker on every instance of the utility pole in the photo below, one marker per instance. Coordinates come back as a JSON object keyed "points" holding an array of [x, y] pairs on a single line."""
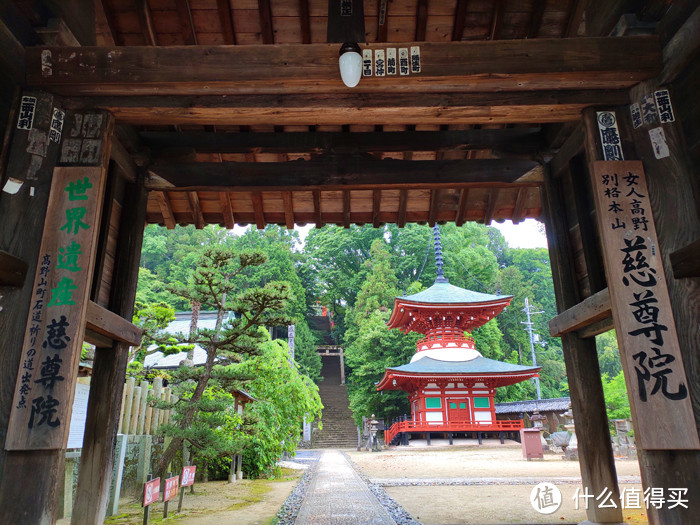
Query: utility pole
{"points": [[528, 324]]}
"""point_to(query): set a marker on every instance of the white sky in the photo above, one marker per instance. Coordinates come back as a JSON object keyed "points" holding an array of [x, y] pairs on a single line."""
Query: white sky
{"points": [[527, 234]]}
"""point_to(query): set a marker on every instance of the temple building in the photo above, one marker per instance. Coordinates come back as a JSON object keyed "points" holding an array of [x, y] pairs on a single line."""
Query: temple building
{"points": [[450, 385]]}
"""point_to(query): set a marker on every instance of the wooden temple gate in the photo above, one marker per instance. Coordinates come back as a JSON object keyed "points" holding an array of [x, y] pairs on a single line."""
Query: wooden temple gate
{"points": [[503, 110]]}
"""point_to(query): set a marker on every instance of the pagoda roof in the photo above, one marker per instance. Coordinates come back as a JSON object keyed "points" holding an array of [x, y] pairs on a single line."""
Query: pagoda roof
{"points": [[480, 367], [446, 293]]}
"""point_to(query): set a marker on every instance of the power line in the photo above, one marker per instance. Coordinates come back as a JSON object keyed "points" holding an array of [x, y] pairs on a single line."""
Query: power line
{"points": [[529, 329]]}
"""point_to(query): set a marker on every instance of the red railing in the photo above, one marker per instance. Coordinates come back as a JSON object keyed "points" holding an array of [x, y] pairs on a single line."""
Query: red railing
{"points": [[505, 425]]}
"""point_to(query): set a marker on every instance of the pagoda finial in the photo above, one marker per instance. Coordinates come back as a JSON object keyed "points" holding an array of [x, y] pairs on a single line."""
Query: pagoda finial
{"points": [[440, 278]]}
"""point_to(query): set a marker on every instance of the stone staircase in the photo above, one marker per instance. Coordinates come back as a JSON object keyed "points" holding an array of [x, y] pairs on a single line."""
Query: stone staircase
{"points": [[339, 429]]}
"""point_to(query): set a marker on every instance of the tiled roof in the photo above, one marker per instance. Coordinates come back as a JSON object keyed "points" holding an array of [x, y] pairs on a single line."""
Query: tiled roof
{"points": [[446, 293], [559, 404]]}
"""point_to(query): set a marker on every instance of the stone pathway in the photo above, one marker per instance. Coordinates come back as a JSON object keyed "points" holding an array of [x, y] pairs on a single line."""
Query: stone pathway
{"points": [[337, 496]]}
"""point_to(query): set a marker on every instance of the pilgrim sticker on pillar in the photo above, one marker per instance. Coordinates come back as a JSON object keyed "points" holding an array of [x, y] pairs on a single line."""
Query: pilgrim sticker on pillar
{"points": [[609, 135], [663, 106], [345, 7], [391, 61], [46, 63], [415, 59], [649, 110], [658, 143], [404, 66], [12, 186], [27, 107], [379, 63], [366, 62], [636, 114], [57, 125]]}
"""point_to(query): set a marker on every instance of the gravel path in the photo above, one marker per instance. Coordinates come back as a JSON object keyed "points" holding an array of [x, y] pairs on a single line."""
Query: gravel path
{"points": [[436, 482], [287, 515]]}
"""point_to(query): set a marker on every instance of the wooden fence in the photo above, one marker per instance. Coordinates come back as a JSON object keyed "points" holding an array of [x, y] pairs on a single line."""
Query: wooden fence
{"points": [[137, 416]]}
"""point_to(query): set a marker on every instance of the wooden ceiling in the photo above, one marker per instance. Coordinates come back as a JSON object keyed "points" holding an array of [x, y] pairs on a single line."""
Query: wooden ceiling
{"points": [[236, 108]]}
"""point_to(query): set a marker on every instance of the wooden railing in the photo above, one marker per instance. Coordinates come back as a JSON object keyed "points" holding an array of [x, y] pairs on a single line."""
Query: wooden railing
{"points": [[137, 415], [506, 425]]}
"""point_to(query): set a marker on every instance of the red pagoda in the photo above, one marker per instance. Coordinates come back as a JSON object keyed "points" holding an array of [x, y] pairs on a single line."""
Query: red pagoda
{"points": [[451, 386]]}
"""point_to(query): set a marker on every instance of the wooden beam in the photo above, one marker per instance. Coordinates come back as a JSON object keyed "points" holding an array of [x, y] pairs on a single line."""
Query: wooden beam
{"points": [[601, 17], [576, 12], [112, 326], [460, 20], [461, 217], [13, 270], [585, 313], [344, 25], [166, 209], [596, 328], [497, 20], [196, 208], [376, 207], [186, 22], [490, 206], [146, 21], [317, 208], [305, 21], [12, 56], [382, 20], [288, 209], [337, 172], [421, 20], [227, 210], [403, 201], [536, 19], [346, 209], [226, 19], [474, 66], [266, 31], [355, 108], [78, 16], [123, 160], [571, 147], [682, 49], [686, 261], [519, 205], [433, 207], [512, 140], [258, 210], [104, 23]]}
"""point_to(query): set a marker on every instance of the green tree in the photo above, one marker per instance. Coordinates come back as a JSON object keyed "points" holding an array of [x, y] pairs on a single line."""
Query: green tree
{"points": [[608, 353], [212, 283], [306, 351], [617, 402]]}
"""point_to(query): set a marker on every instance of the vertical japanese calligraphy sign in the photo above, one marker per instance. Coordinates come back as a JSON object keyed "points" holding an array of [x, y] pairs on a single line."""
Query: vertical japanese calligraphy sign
{"points": [[651, 358], [43, 397]]}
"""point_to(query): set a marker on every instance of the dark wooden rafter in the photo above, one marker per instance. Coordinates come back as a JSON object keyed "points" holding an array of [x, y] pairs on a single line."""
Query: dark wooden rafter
{"points": [[490, 206], [266, 27], [196, 209], [421, 20], [434, 206], [497, 20], [166, 209], [382, 20], [146, 21], [288, 209], [572, 146], [337, 173], [538, 8], [461, 216], [345, 27], [686, 261], [576, 11], [305, 21], [474, 66], [403, 200], [681, 49], [346, 209], [186, 23], [123, 160], [226, 20], [460, 20], [227, 210], [12, 270], [104, 23], [317, 208], [519, 205], [511, 140], [258, 210], [376, 207]]}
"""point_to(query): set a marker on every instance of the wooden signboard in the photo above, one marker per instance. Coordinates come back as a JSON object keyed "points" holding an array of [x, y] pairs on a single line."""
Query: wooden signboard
{"points": [[43, 397], [646, 332], [188, 476], [151, 492], [171, 486]]}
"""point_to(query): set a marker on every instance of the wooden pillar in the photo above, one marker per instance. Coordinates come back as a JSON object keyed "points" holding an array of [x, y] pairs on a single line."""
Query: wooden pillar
{"points": [[109, 369], [583, 372], [31, 161], [673, 191]]}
